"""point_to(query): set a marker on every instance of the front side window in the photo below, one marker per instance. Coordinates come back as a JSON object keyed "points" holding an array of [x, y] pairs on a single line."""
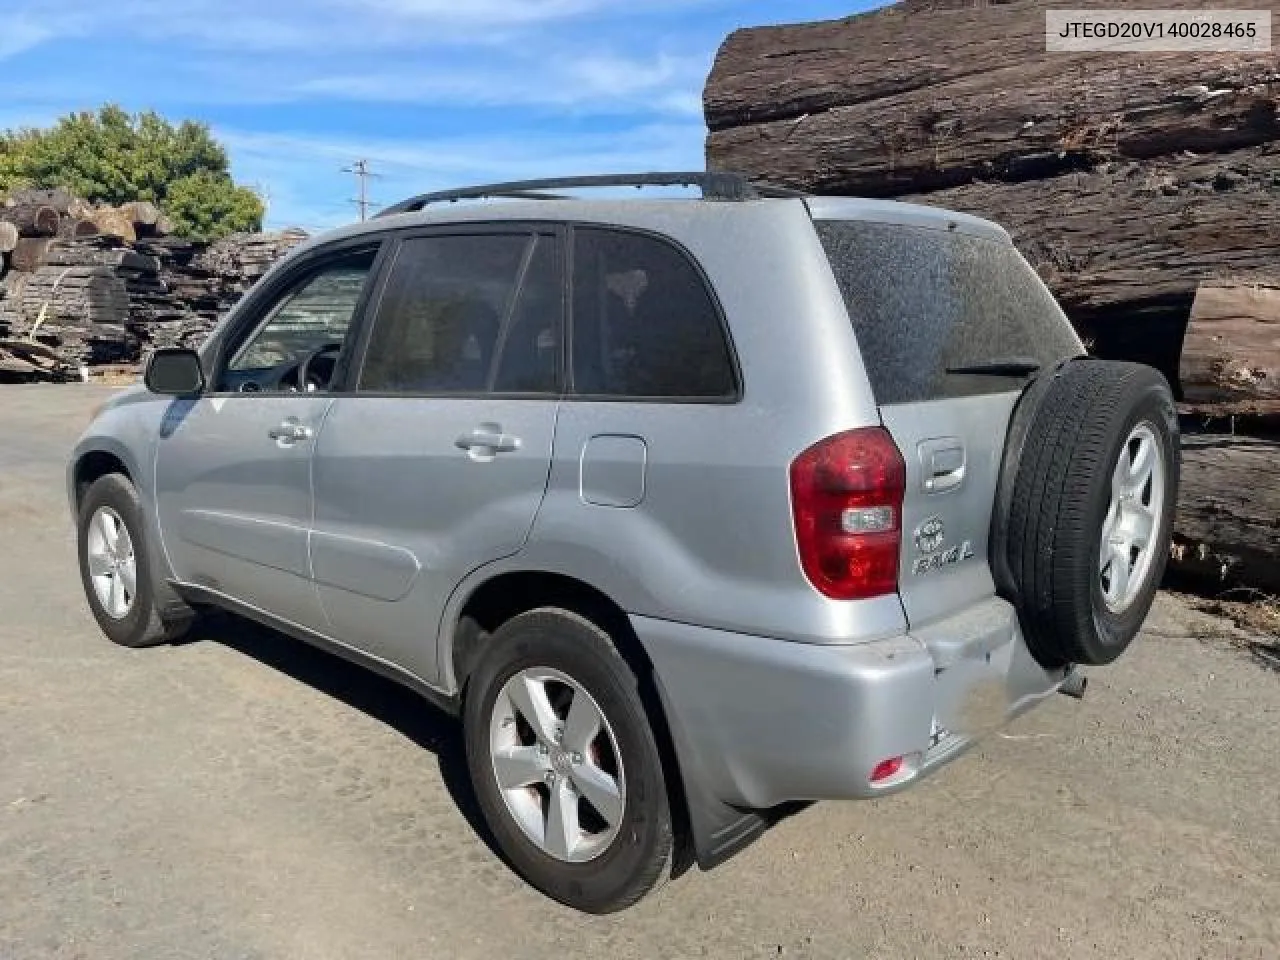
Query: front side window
{"points": [[644, 323], [468, 314], [311, 317]]}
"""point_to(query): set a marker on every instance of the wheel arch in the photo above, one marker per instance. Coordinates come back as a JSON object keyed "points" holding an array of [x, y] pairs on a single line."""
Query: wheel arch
{"points": [[90, 466]]}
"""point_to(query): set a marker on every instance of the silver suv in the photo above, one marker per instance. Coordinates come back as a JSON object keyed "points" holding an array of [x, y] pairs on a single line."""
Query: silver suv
{"points": [[690, 508]]}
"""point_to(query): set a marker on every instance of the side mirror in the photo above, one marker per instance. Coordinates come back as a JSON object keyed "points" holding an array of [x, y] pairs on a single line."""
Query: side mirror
{"points": [[174, 372]]}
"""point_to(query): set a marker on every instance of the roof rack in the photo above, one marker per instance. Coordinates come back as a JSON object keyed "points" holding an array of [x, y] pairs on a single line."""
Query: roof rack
{"points": [[714, 186]]}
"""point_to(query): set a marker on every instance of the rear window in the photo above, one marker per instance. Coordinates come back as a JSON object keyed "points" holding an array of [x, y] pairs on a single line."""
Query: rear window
{"points": [[924, 300]]}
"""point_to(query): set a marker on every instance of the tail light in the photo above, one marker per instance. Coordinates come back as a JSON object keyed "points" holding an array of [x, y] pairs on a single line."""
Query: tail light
{"points": [[846, 495]]}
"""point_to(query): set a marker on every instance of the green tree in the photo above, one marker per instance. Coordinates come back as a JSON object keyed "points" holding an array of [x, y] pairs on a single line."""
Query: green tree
{"points": [[111, 156]]}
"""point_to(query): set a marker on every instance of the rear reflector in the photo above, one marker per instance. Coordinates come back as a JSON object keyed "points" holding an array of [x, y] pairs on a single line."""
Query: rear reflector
{"points": [[846, 497], [887, 769]]}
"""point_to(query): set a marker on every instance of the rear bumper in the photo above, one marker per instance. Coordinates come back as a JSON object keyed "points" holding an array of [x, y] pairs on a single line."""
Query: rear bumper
{"points": [[759, 722]]}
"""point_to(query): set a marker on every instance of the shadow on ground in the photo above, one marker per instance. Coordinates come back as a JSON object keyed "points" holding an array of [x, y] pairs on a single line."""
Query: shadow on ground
{"points": [[384, 700]]}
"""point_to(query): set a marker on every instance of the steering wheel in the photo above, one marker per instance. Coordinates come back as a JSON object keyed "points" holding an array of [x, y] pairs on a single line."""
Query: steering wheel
{"points": [[308, 382]]}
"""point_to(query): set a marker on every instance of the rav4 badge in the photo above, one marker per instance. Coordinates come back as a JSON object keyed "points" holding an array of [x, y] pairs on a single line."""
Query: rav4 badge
{"points": [[929, 537]]}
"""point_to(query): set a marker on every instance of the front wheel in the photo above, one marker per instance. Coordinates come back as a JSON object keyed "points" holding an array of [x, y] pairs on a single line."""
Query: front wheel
{"points": [[565, 765], [115, 567]]}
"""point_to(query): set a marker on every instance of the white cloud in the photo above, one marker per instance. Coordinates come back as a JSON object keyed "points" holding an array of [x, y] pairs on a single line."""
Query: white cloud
{"points": [[307, 187], [596, 83], [311, 26], [19, 33]]}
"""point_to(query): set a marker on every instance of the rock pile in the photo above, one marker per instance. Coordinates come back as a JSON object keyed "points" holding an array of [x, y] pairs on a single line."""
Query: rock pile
{"points": [[81, 286]]}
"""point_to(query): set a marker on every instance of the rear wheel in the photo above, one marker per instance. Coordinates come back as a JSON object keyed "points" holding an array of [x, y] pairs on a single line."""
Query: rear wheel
{"points": [[564, 763]]}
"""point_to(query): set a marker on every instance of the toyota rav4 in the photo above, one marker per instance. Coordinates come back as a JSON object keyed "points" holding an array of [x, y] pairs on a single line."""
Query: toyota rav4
{"points": [[690, 508]]}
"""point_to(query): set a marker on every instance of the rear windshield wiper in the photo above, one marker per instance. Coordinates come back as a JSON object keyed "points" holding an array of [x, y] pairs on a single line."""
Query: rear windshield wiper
{"points": [[1004, 367]]}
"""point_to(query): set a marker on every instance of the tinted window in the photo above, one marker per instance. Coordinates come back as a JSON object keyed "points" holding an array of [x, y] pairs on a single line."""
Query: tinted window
{"points": [[529, 354], [314, 313], [644, 324], [923, 300], [441, 319]]}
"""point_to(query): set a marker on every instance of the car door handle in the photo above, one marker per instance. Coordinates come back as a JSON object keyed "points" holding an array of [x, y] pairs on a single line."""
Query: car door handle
{"points": [[290, 432], [943, 461], [487, 440]]}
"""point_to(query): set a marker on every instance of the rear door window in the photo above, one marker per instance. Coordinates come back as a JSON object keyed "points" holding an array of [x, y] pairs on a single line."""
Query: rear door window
{"points": [[468, 314], [644, 322], [924, 300]]}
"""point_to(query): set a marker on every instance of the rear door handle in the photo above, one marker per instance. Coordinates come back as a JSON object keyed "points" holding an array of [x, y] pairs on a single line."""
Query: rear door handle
{"points": [[290, 432], [486, 441], [943, 461]]}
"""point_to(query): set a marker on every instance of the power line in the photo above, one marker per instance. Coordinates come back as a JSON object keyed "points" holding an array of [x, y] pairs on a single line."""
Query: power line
{"points": [[362, 174]]}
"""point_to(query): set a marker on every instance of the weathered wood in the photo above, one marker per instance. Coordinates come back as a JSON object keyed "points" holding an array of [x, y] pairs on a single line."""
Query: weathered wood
{"points": [[126, 260], [32, 220], [115, 223], [906, 100], [63, 201], [73, 228], [141, 212], [70, 296], [1231, 351], [8, 236], [1228, 521], [29, 253]]}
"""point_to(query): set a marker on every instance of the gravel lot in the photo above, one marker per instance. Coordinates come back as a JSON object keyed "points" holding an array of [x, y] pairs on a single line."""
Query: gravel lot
{"points": [[243, 796]]}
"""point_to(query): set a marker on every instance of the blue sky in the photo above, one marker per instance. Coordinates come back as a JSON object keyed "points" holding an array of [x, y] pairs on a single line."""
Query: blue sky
{"points": [[434, 93]]}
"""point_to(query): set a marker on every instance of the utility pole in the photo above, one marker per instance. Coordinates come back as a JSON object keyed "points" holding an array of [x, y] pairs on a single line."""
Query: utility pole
{"points": [[362, 173]]}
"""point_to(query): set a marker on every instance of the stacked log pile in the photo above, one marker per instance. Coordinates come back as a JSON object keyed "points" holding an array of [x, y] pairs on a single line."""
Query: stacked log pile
{"points": [[83, 286], [1145, 189]]}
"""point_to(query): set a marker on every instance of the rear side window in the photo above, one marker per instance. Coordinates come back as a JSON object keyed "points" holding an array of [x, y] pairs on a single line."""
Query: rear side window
{"points": [[644, 323], [923, 300], [468, 314]]}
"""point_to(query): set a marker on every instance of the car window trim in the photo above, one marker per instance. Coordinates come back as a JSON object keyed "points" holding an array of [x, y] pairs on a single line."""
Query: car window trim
{"points": [[570, 395], [391, 252], [261, 302]]}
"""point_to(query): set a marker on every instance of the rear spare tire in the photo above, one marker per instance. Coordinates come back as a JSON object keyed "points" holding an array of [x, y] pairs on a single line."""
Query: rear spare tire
{"points": [[1086, 511]]}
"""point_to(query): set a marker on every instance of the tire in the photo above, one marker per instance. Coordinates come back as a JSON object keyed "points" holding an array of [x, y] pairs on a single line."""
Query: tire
{"points": [[1066, 487], [137, 621], [607, 866]]}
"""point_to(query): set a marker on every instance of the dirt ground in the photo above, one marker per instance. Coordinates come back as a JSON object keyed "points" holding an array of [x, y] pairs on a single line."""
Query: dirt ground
{"points": [[243, 796]]}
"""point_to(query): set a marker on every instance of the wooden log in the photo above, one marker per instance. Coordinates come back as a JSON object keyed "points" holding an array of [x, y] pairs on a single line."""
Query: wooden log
{"points": [[125, 260], [8, 236], [115, 223], [904, 100], [1231, 351], [141, 212], [1228, 520], [63, 201], [76, 297], [73, 228], [32, 220], [30, 253]]}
